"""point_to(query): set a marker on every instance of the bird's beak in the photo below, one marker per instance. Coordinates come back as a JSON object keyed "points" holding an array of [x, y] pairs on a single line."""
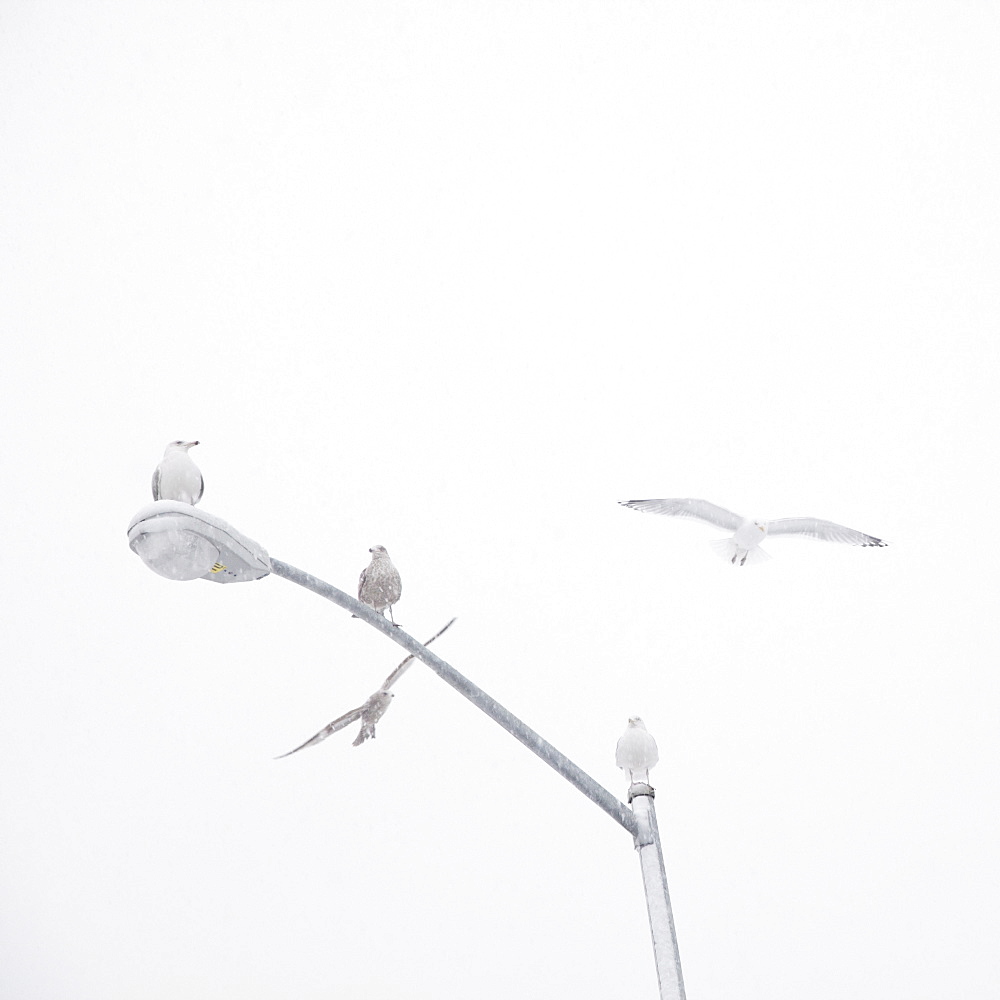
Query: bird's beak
{"points": [[759, 526], [190, 444]]}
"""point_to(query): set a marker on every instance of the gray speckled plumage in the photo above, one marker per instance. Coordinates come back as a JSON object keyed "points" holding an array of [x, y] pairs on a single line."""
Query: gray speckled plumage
{"points": [[379, 586], [371, 711]]}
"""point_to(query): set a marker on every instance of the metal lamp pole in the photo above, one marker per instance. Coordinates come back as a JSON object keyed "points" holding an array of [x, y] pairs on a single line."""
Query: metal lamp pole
{"points": [[640, 821], [654, 880], [181, 543]]}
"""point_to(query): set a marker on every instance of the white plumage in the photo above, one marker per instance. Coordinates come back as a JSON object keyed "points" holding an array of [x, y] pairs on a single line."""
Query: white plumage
{"points": [[177, 477], [636, 751], [744, 546]]}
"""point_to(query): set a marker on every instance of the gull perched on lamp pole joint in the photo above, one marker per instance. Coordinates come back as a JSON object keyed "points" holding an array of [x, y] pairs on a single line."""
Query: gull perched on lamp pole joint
{"points": [[177, 477], [379, 586], [636, 751], [744, 545]]}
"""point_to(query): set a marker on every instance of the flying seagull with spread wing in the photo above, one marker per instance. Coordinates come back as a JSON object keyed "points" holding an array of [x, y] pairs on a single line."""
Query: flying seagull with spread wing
{"points": [[177, 477], [744, 546], [371, 711]]}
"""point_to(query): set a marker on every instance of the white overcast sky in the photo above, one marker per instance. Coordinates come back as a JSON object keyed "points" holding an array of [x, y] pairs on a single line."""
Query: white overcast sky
{"points": [[455, 278]]}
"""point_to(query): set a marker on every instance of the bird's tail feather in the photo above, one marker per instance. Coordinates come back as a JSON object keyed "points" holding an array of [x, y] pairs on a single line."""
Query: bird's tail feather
{"points": [[728, 549]]}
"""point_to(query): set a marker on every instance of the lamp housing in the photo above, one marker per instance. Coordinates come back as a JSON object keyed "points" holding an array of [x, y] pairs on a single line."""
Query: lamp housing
{"points": [[179, 542]]}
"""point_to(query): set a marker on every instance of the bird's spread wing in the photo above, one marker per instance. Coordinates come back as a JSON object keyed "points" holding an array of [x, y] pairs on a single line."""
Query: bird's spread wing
{"points": [[813, 527], [356, 713], [156, 483], [701, 510], [345, 720], [402, 667]]}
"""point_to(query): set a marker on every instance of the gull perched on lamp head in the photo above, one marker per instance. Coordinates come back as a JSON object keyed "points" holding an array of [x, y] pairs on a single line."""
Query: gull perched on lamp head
{"points": [[177, 477], [636, 751], [371, 711], [744, 546], [379, 586]]}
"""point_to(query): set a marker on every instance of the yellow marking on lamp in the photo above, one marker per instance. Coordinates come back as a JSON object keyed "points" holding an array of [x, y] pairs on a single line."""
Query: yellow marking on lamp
{"points": [[217, 568]]}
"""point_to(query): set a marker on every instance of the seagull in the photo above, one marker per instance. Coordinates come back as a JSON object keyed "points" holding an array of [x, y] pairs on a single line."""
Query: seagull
{"points": [[379, 586], [177, 477], [371, 711], [748, 534], [636, 751]]}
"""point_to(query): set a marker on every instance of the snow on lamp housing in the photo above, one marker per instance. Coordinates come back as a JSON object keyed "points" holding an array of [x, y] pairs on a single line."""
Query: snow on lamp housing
{"points": [[181, 543]]}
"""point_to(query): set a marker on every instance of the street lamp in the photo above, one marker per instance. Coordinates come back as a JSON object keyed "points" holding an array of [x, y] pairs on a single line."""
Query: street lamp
{"points": [[181, 543]]}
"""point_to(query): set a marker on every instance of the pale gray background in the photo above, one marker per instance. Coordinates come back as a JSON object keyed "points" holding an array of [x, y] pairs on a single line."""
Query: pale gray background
{"points": [[455, 278]]}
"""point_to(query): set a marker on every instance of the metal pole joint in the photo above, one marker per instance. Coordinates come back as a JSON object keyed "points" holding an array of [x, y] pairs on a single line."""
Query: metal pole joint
{"points": [[640, 788]]}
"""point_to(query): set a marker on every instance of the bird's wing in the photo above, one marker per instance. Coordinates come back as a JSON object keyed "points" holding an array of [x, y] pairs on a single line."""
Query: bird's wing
{"points": [[402, 667], [636, 750], [156, 483], [201, 489], [345, 720], [356, 713], [813, 527], [361, 581], [701, 510]]}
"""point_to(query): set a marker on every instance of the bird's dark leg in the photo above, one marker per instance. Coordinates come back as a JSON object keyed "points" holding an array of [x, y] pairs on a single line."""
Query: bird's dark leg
{"points": [[393, 620], [743, 561], [733, 560]]}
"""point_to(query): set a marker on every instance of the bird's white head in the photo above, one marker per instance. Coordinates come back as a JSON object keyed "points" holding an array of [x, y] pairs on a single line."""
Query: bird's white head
{"points": [[636, 722], [761, 526], [378, 550], [180, 446]]}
